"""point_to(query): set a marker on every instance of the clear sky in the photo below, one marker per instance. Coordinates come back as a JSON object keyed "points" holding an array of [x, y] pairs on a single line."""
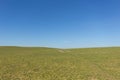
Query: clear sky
{"points": [[60, 23]]}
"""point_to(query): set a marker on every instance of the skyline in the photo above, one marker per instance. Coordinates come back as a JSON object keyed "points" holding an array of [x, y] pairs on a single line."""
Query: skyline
{"points": [[61, 24]]}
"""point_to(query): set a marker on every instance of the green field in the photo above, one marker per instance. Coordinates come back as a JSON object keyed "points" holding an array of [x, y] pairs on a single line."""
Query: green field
{"points": [[22, 63]]}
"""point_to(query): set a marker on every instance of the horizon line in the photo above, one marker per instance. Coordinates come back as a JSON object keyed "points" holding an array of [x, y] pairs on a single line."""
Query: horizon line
{"points": [[59, 47]]}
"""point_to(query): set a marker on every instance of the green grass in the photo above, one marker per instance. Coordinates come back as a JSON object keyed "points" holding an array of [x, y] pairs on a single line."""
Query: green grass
{"points": [[22, 63]]}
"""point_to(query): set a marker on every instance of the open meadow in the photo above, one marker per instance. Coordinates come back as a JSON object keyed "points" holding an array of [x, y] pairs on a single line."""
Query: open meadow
{"points": [[23, 63]]}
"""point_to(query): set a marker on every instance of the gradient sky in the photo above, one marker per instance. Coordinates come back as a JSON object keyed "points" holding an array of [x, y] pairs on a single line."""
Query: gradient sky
{"points": [[60, 23]]}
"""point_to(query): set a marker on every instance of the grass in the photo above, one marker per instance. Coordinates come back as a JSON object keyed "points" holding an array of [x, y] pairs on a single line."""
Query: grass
{"points": [[22, 63]]}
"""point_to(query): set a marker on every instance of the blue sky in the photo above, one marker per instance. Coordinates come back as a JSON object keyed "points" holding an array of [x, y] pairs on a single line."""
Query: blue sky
{"points": [[60, 23]]}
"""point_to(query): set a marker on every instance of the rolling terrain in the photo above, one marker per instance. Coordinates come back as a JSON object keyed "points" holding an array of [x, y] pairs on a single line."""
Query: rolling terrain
{"points": [[34, 63]]}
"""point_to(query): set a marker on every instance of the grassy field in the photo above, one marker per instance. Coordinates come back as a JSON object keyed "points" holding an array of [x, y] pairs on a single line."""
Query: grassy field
{"points": [[19, 63]]}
